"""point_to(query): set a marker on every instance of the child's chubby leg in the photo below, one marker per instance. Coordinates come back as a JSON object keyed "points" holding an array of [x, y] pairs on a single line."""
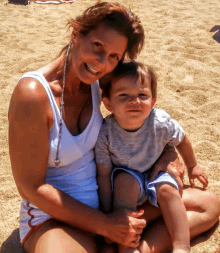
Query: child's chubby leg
{"points": [[126, 192], [108, 248], [174, 214], [103, 247]]}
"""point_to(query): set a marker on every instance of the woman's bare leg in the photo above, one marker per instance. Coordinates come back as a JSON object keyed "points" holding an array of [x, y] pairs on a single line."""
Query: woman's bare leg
{"points": [[203, 209], [56, 237]]}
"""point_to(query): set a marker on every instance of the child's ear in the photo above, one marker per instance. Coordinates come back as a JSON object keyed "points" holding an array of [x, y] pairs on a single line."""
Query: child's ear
{"points": [[107, 104], [153, 103]]}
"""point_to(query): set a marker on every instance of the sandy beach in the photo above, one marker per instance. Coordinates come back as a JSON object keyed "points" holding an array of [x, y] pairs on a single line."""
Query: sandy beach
{"points": [[182, 44]]}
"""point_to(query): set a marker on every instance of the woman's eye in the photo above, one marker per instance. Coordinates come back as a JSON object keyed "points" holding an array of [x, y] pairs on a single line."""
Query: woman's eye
{"points": [[115, 57], [97, 44]]}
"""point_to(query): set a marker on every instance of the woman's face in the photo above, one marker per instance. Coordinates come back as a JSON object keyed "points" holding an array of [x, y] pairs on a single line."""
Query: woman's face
{"points": [[96, 54]]}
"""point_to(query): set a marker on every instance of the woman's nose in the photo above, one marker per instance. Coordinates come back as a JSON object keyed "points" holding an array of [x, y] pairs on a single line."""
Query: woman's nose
{"points": [[102, 58]]}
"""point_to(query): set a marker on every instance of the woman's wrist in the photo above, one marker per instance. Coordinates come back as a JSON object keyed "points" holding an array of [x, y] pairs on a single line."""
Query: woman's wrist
{"points": [[103, 225]]}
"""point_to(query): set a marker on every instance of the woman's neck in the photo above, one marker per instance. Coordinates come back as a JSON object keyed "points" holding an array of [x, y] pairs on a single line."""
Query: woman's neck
{"points": [[53, 72]]}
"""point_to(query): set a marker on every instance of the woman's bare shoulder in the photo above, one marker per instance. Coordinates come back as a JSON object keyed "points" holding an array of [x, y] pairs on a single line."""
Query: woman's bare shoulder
{"points": [[29, 99], [29, 90]]}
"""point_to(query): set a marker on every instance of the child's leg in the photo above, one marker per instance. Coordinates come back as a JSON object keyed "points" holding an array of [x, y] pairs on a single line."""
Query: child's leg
{"points": [[108, 248], [174, 214], [103, 247], [126, 192]]}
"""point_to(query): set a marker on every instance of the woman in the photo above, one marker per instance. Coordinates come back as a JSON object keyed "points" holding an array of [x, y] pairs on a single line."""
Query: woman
{"points": [[54, 120]]}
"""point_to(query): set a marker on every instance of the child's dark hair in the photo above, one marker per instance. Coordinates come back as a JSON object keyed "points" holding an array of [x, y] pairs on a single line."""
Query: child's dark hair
{"points": [[131, 69]]}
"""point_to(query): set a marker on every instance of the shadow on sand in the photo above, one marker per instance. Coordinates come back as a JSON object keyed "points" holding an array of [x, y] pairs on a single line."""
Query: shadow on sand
{"points": [[12, 244], [216, 36], [205, 236]]}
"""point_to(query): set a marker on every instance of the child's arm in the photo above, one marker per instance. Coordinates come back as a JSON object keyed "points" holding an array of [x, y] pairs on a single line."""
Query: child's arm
{"points": [[104, 183], [194, 170]]}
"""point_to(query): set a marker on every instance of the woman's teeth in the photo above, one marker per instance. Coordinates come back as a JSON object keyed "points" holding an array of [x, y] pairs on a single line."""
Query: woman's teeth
{"points": [[91, 70]]}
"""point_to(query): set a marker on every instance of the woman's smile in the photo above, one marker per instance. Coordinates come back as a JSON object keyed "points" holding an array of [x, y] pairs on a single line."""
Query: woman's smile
{"points": [[91, 70]]}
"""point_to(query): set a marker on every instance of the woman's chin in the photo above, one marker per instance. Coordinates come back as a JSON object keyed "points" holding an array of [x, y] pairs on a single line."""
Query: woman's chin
{"points": [[88, 78]]}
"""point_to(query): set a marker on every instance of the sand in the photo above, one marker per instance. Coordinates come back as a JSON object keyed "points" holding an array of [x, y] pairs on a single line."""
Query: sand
{"points": [[182, 44]]}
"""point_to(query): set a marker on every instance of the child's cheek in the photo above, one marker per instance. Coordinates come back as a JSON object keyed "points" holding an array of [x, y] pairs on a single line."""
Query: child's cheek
{"points": [[123, 100]]}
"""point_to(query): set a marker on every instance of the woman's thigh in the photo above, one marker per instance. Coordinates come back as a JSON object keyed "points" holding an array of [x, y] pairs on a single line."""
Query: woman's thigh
{"points": [[202, 207], [54, 236], [194, 199]]}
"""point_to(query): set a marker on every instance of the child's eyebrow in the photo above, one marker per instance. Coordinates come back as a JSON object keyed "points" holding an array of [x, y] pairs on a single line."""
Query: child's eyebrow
{"points": [[120, 89]]}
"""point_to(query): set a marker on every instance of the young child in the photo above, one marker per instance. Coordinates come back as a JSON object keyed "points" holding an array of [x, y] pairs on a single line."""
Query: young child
{"points": [[131, 140]]}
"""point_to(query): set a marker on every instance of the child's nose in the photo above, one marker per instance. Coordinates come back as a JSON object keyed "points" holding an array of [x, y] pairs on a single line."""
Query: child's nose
{"points": [[134, 100]]}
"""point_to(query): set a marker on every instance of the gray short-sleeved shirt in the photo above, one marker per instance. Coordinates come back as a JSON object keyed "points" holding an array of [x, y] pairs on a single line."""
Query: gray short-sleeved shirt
{"points": [[137, 150]]}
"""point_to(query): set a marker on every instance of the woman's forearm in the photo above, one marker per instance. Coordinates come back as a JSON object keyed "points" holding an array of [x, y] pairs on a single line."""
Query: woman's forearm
{"points": [[61, 206], [120, 227], [169, 162]]}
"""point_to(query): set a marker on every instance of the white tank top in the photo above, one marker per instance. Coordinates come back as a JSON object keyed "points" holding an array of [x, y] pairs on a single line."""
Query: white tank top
{"points": [[75, 152]]}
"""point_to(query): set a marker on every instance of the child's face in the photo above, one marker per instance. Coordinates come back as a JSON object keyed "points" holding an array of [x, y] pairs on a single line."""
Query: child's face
{"points": [[130, 101]]}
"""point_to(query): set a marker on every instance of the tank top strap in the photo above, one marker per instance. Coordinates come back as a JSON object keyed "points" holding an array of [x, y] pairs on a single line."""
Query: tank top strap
{"points": [[96, 96]]}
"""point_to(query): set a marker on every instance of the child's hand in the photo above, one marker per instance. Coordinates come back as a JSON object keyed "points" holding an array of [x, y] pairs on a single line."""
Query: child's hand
{"points": [[197, 172]]}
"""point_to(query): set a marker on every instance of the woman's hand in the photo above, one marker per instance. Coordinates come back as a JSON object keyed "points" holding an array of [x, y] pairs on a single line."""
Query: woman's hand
{"points": [[125, 227], [170, 163]]}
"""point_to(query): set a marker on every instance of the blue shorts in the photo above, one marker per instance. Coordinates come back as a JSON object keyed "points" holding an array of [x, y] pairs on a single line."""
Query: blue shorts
{"points": [[75, 184], [147, 189]]}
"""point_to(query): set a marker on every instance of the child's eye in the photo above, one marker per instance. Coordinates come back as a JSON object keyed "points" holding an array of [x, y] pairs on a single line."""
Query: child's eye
{"points": [[143, 95], [123, 95]]}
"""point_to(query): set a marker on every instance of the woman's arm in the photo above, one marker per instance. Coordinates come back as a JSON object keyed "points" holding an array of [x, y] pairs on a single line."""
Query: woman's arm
{"points": [[169, 162], [29, 122]]}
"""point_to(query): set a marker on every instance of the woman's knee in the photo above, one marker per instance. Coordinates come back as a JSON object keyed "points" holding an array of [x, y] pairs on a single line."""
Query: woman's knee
{"points": [[60, 238], [166, 191], [202, 201], [212, 205]]}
